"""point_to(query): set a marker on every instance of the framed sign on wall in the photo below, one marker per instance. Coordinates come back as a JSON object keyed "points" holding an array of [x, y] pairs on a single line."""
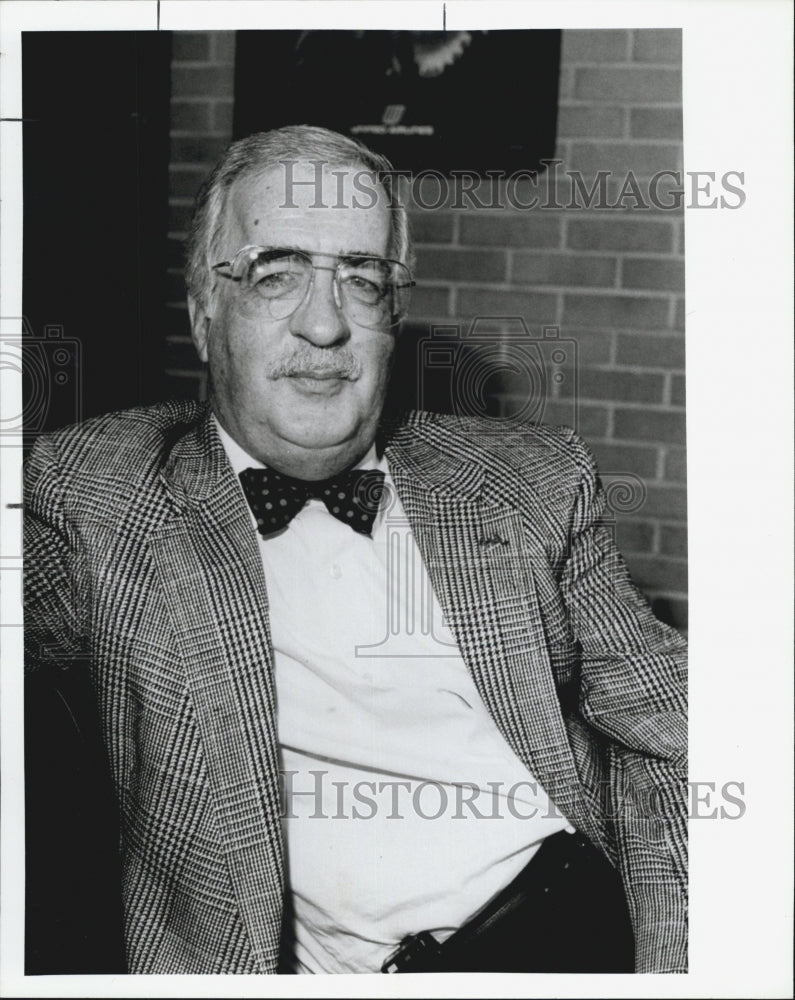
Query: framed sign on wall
{"points": [[455, 100]]}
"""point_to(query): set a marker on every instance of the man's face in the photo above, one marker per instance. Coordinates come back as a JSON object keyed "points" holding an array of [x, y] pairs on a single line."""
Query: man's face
{"points": [[303, 394]]}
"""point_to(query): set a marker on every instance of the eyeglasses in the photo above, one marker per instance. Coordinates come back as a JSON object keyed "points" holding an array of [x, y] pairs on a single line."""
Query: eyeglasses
{"points": [[372, 292]]}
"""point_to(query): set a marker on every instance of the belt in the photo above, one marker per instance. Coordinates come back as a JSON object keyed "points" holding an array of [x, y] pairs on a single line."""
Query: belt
{"points": [[564, 912]]}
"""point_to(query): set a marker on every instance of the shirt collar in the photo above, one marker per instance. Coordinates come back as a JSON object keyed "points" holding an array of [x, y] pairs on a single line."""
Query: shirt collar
{"points": [[240, 459]]}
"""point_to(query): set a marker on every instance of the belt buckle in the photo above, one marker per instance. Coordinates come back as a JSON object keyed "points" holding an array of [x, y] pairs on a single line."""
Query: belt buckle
{"points": [[416, 953]]}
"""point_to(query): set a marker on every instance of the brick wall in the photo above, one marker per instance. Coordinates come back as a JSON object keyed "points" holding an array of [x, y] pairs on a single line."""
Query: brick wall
{"points": [[621, 107], [202, 102], [612, 280]]}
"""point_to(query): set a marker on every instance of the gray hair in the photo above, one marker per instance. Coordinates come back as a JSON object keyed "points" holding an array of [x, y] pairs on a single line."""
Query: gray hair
{"points": [[260, 151]]}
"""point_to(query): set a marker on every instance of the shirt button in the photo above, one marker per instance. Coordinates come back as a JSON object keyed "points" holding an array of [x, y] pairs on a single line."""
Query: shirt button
{"points": [[336, 572]]}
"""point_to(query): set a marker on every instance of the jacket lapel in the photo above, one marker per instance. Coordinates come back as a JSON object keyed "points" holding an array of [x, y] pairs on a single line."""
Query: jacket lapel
{"points": [[480, 563], [210, 568]]}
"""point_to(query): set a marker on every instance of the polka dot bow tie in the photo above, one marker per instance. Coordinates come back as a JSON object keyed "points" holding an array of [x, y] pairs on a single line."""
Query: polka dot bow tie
{"points": [[352, 497]]}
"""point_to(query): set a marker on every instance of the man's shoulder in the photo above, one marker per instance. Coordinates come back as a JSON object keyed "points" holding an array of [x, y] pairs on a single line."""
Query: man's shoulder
{"points": [[503, 445], [121, 442]]}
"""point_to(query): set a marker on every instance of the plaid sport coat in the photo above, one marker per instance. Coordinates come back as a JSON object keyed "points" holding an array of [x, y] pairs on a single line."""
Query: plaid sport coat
{"points": [[142, 564]]}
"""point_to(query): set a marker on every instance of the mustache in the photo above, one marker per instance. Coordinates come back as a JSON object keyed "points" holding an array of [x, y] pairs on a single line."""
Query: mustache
{"points": [[316, 362]]}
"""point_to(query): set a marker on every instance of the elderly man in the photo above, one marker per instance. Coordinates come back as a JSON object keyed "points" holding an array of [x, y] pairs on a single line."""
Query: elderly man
{"points": [[500, 789]]}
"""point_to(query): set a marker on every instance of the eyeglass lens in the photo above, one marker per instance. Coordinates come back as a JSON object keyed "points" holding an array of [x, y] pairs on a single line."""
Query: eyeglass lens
{"points": [[373, 292]]}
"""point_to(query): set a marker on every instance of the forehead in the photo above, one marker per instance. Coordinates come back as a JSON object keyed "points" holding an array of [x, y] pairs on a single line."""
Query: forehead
{"points": [[323, 208]]}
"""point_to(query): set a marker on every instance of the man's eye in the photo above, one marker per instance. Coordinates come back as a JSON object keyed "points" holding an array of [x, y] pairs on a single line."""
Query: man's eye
{"points": [[274, 279], [365, 287], [361, 281], [370, 272]]}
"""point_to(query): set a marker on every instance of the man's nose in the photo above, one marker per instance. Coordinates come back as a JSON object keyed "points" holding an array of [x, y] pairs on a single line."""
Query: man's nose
{"points": [[319, 319]]}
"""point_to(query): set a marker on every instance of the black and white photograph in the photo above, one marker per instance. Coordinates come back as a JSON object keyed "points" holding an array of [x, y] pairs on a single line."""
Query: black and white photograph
{"points": [[368, 464]]}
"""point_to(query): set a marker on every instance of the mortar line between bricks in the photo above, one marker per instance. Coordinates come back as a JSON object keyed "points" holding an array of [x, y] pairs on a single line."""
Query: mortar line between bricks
{"points": [[663, 484], [608, 366], [629, 45], [198, 99], [632, 63], [650, 408], [619, 102], [181, 133], [563, 235], [606, 254], [651, 369], [630, 293], [599, 291], [610, 421], [662, 451], [613, 353], [591, 216], [667, 379], [668, 595], [675, 258], [662, 332], [633, 140], [599, 401], [614, 216], [423, 245], [635, 67]]}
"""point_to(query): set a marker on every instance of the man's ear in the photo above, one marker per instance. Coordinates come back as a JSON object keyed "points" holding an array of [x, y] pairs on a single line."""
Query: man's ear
{"points": [[199, 326]]}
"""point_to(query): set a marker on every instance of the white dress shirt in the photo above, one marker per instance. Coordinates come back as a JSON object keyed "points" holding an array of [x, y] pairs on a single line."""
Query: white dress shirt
{"points": [[404, 807]]}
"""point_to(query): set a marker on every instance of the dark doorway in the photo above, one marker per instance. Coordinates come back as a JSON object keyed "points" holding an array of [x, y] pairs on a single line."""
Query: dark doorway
{"points": [[95, 158], [95, 151]]}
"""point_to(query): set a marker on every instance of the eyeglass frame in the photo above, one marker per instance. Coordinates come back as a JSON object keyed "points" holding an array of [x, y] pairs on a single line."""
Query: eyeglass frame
{"points": [[310, 255]]}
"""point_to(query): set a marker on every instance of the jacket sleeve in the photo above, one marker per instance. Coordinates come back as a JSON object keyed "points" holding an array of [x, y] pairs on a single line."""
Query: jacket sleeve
{"points": [[51, 553], [73, 911], [633, 691]]}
